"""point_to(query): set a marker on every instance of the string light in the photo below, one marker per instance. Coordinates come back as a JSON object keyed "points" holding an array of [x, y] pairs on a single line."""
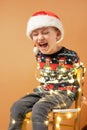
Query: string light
{"points": [[58, 126], [28, 122], [59, 119], [79, 109], [79, 90], [46, 122], [13, 121], [69, 115]]}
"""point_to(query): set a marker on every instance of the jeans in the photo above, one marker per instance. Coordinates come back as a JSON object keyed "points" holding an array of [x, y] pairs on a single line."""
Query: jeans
{"points": [[40, 104]]}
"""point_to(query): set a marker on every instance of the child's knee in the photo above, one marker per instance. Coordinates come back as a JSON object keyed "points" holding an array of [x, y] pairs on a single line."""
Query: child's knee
{"points": [[39, 113], [17, 109], [14, 106]]}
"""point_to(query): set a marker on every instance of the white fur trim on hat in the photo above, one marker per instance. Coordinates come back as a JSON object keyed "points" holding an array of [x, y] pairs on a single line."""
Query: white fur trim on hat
{"points": [[40, 21]]}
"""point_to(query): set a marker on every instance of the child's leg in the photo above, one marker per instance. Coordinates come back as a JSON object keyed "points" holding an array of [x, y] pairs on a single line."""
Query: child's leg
{"points": [[19, 109], [44, 106]]}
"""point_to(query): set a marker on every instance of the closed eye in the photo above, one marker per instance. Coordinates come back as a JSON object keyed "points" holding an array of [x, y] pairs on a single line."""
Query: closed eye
{"points": [[35, 34], [45, 32]]}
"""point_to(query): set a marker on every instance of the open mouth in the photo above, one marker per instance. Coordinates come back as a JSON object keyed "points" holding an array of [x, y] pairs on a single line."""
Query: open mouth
{"points": [[43, 45]]}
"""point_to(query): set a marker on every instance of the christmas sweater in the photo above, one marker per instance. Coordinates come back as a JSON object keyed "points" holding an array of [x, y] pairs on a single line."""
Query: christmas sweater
{"points": [[58, 71]]}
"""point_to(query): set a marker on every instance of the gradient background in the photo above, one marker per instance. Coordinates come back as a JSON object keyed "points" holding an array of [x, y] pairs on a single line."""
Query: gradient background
{"points": [[17, 63]]}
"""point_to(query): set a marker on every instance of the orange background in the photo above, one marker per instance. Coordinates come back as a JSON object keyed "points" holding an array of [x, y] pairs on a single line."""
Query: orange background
{"points": [[17, 61]]}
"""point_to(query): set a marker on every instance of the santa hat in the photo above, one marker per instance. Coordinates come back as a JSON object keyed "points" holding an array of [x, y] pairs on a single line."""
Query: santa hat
{"points": [[44, 19]]}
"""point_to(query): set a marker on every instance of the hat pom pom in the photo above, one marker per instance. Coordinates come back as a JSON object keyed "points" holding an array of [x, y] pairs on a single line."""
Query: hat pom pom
{"points": [[35, 50]]}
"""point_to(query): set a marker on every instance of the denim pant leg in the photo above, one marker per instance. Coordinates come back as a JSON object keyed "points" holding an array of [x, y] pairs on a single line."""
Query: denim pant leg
{"points": [[19, 109], [44, 106]]}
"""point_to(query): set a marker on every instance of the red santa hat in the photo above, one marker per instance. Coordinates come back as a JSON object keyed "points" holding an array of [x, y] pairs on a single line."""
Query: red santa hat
{"points": [[44, 19]]}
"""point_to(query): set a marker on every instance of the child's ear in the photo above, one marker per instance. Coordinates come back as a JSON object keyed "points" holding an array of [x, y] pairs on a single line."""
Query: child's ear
{"points": [[58, 35]]}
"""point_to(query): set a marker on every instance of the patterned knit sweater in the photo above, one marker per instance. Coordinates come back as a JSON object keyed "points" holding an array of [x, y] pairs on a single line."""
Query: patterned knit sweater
{"points": [[58, 71]]}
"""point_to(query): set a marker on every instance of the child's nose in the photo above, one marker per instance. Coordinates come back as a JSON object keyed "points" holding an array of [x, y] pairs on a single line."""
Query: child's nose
{"points": [[40, 37]]}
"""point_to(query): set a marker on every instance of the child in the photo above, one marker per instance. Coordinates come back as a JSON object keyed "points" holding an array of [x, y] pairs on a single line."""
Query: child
{"points": [[57, 66]]}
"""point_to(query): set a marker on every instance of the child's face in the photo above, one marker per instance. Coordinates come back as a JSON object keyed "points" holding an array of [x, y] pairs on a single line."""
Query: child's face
{"points": [[46, 39]]}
